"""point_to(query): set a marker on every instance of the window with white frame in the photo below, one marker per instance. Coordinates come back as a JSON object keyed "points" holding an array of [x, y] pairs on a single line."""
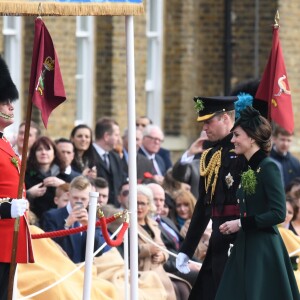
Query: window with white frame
{"points": [[12, 55], [84, 73], [154, 33]]}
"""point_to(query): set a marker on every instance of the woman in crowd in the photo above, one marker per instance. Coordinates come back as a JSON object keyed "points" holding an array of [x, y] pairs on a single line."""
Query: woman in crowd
{"points": [[291, 208], [84, 159], [151, 257], [293, 189], [258, 266], [44, 172], [185, 204]]}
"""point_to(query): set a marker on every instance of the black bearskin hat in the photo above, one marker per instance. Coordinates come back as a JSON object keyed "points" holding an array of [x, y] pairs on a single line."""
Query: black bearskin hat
{"points": [[8, 89]]}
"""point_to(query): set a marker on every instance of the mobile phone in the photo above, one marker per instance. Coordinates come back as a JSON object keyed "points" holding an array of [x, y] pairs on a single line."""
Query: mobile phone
{"points": [[78, 205]]}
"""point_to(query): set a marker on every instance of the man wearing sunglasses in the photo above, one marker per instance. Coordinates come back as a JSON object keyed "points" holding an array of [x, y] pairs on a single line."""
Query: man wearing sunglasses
{"points": [[123, 196]]}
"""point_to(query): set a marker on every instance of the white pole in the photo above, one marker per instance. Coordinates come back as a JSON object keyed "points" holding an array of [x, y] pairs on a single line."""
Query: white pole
{"points": [[89, 250], [126, 266], [133, 232]]}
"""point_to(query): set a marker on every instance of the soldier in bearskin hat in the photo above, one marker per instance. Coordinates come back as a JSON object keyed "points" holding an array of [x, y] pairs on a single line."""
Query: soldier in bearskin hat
{"points": [[10, 206]]}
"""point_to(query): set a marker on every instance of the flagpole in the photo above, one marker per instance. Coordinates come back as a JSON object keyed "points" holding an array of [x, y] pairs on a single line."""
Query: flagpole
{"points": [[276, 19], [13, 263], [89, 249], [133, 231]]}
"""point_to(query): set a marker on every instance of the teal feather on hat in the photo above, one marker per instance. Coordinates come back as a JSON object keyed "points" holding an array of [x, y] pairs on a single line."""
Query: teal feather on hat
{"points": [[244, 100]]}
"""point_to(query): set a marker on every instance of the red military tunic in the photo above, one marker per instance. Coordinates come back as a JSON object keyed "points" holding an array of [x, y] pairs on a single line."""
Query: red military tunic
{"points": [[9, 181]]}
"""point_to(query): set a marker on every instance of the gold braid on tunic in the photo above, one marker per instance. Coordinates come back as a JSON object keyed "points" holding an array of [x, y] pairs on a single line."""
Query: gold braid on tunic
{"points": [[211, 171]]}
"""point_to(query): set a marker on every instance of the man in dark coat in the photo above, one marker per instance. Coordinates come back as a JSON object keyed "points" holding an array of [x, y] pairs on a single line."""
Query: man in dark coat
{"points": [[289, 164], [141, 123], [109, 165], [143, 164], [152, 139], [65, 148], [220, 171]]}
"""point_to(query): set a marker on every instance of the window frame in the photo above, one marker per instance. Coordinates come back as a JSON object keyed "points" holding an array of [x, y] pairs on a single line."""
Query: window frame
{"points": [[85, 62], [12, 55], [154, 76]]}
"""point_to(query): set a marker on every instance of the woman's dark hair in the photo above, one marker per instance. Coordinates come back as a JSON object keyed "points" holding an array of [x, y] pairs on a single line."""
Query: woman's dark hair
{"points": [[256, 126], [292, 183], [294, 205], [169, 201], [32, 163], [88, 159]]}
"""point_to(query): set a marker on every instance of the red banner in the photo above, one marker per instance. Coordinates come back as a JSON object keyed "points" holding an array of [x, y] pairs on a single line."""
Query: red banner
{"points": [[274, 87], [46, 84]]}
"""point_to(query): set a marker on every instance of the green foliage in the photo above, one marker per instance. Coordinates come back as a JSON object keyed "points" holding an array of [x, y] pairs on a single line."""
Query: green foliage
{"points": [[249, 182], [199, 106]]}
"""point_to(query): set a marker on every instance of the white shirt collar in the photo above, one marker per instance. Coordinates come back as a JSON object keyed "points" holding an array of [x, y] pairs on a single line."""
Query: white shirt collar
{"points": [[149, 156], [68, 170], [99, 150], [69, 207]]}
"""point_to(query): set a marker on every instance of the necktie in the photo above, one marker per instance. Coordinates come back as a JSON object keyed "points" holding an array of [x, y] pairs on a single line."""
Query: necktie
{"points": [[77, 243], [168, 231], [106, 160], [154, 172]]}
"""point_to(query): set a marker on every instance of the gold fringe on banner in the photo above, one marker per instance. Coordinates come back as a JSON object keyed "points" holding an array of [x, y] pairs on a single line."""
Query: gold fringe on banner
{"points": [[43, 8]]}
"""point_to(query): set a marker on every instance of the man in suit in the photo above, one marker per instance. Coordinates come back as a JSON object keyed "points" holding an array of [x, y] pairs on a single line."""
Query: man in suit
{"points": [[73, 215], [170, 235], [65, 149], [142, 163], [34, 134], [141, 123], [109, 165], [152, 139]]}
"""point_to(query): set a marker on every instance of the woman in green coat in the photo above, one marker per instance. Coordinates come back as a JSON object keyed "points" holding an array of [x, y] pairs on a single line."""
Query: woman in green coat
{"points": [[258, 267]]}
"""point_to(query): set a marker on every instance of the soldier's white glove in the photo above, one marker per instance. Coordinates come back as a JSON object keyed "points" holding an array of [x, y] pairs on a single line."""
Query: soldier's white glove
{"points": [[18, 207], [182, 263]]}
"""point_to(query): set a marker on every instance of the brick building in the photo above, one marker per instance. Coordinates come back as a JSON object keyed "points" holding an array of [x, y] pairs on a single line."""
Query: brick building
{"points": [[181, 50]]}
